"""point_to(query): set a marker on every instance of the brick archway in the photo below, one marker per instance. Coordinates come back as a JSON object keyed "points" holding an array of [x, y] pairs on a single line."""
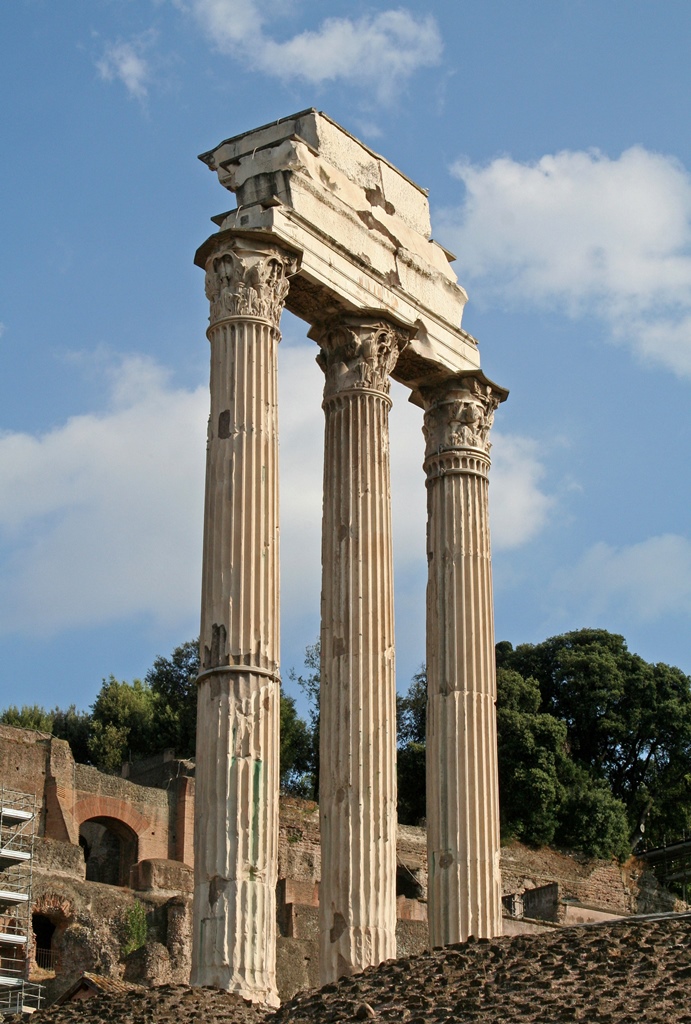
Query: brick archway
{"points": [[100, 806], [128, 831]]}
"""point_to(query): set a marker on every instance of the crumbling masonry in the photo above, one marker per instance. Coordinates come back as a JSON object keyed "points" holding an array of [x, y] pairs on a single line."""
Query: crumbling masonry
{"points": [[329, 230]]}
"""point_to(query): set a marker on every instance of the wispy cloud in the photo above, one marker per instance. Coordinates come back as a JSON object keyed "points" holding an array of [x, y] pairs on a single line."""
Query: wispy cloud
{"points": [[520, 507], [114, 527], [641, 582], [376, 51], [101, 517], [581, 232], [126, 62]]}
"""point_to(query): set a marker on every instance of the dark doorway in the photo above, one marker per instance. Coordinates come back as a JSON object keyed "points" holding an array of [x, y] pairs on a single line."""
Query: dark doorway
{"points": [[110, 850], [44, 930]]}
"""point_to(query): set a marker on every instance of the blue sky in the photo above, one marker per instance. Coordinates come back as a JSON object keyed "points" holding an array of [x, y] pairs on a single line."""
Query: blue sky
{"points": [[553, 138]]}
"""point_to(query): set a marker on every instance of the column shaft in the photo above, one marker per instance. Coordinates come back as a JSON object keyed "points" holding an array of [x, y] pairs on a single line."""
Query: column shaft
{"points": [[237, 778], [357, 799], [462, 781]]}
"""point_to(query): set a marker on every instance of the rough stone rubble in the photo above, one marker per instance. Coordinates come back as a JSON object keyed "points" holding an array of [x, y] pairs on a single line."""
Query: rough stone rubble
{"points": [[615, 973]]}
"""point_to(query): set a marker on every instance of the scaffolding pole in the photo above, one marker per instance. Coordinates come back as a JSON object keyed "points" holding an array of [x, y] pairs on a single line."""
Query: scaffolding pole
{"points": [[17, 830]]}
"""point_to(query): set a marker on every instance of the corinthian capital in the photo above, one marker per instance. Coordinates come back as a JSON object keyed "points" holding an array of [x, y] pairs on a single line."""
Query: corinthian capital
{"points": [[459, 413], [358, 354], [248, 282]]}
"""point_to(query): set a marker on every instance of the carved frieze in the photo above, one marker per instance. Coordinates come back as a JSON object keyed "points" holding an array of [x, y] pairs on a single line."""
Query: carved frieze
{"points": [[459, 415], [248, 283], [359, 354]]}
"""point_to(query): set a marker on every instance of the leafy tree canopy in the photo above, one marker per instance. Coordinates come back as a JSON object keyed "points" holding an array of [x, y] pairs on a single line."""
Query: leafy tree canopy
{"points": [[594, 745], [69, 724], [594, 742], [123, 724], [173, 680], [628, 722], [139, 719], [309, 683], [411, 710], [532, 761], [28, 717]]}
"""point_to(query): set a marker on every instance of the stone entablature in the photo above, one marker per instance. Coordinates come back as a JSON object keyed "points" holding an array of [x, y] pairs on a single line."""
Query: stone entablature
{"points": [[361, 229]]}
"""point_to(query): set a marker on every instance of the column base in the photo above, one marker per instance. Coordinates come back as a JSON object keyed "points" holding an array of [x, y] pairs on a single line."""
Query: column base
{"points": [[354, 950], [225, 957], [246, 990]]}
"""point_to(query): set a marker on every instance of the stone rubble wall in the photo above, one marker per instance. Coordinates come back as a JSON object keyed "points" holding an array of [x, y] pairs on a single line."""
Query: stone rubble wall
{"points": [[614, 973], [89, 916], [621, 889], [91, 929]]}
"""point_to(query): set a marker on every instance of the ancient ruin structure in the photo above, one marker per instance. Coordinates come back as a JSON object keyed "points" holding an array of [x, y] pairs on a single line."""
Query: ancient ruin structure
{"points": [[106, 845], [333, 232]]}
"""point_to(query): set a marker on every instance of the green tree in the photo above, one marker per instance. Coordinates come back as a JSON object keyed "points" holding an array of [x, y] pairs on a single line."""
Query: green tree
{"points": [[545, 796], [75, 727], [66, 724], [411, 776], [532, 761], [411, 710], [123, 724], [173, 680], [411, 720], [592, 819], [296, 751], [628, 722], [309, 683], [29, 716], [135, 928]]}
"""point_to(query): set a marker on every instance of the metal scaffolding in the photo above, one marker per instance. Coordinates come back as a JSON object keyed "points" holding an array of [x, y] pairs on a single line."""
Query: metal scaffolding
{"points": [[17, 828]]}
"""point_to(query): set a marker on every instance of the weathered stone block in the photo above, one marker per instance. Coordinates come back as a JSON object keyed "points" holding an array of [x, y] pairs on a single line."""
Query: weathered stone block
{"points": [[158, 873]]}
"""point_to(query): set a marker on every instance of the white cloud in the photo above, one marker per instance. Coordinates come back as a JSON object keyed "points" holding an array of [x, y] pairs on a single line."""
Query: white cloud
{"points": [[519, 507], [125, 62], [645, 581], [229, 24], [377, 51], [585, 233], [100, 518]]}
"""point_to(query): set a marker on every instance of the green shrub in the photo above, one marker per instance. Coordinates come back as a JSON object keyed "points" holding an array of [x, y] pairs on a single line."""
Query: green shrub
{"points": [[135, 928]]}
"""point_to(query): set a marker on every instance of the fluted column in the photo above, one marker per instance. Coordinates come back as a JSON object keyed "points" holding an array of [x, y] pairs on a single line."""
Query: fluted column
{"points": [[464, 895], [357, 797], [237, 775]]}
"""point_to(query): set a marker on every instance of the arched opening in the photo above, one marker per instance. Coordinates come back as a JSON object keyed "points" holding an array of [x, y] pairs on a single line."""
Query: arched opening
{"points": [[51, 916], [110, 850], [44, 930]]}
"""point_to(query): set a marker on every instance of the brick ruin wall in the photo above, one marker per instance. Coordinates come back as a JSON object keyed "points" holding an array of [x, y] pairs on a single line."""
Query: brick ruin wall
{"points": [[91, 918]]}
